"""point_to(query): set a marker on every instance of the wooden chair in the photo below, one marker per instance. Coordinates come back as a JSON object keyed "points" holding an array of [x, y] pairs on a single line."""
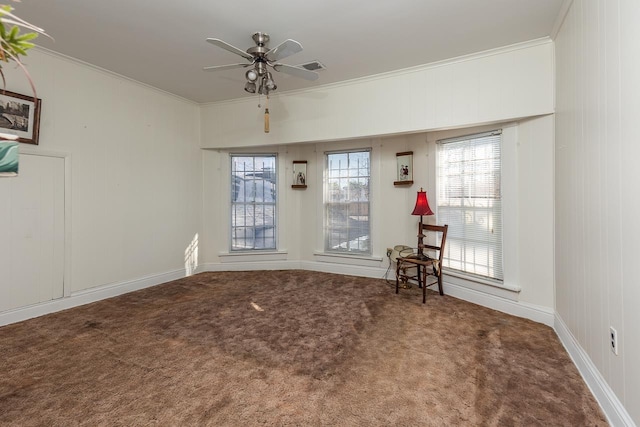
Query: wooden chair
{"points": [[425, 265]]}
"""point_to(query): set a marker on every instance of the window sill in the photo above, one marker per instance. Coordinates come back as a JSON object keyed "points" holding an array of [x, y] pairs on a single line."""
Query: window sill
{"points": [[253, 256], [488, 286], [338, 258]]}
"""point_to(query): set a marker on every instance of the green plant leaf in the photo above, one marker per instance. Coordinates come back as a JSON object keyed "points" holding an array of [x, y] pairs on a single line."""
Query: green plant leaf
{"points": [[14, 32], [27, 36]]}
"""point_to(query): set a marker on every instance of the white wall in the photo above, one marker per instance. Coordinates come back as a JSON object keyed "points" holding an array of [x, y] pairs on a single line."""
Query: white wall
{"points": [[32, 235], [493, 86], [134, 175], [597, 203]]}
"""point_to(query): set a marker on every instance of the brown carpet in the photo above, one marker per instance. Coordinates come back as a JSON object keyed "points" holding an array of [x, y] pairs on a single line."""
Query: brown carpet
{"points": [[287, 348]]}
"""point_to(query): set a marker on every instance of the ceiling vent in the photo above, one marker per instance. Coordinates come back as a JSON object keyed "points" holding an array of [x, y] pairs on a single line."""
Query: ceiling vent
{"points": [[313, 66]]}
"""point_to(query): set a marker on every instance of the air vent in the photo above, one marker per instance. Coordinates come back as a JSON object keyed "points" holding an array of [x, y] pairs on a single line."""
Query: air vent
{"points": [[313, 66]]}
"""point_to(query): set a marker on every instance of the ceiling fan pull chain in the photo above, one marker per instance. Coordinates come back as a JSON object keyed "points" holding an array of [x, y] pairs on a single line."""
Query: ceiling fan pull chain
{"points": [[266, 116]]}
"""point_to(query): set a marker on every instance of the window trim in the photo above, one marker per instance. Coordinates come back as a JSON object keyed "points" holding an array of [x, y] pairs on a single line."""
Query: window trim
{"points": [[276, 205], [493, 281], [336, 253]]}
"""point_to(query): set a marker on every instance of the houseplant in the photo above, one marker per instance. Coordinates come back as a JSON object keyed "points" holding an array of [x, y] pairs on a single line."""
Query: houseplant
{"points": [[14, 44]]}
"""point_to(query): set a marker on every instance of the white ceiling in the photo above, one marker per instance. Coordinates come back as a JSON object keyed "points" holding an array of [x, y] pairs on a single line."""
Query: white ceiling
{"points": [[162, 43]]}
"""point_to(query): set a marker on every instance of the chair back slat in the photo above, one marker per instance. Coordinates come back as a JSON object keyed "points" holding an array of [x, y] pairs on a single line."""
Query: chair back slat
{"points": [[437, 229]]}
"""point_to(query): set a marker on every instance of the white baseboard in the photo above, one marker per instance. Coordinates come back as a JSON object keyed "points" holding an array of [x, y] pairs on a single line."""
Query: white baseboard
{"points": [[325, 267], [613, 409], [533, 312], [538, 314], [87, 296], [249, 266], [346, 269]]}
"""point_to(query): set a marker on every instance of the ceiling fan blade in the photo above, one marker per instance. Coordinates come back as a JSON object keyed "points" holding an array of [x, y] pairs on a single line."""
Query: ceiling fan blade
{"points": [[225, 67], [296, 71], [226, 46], [284, 49]]}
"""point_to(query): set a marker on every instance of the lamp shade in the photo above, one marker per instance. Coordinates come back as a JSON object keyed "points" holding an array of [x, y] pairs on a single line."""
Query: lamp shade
{"points": [[250, 87], [422, 205]]}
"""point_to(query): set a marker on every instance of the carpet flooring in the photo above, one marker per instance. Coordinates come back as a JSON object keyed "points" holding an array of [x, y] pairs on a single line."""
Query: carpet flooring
{"points": [[287, 348]]}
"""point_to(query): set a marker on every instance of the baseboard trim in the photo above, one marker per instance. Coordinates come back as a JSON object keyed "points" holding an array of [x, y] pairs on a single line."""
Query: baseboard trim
{"points": [[536, 313], [251, 266], [613, 409], [324, 267], [533, 312], [346, 269], [87, 296], [528, 311]]}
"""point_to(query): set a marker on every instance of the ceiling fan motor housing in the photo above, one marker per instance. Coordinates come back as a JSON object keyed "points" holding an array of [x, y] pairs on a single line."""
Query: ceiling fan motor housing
{"points": [[259, 51]]}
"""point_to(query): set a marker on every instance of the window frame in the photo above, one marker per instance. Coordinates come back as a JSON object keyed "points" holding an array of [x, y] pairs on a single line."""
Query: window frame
{"points": [[274, 204], [325, 192], [498, 274]]}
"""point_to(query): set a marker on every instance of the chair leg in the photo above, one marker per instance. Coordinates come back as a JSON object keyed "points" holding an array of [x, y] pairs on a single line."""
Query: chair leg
{"points": [[397, 276], [440, 283], [424, 285]]}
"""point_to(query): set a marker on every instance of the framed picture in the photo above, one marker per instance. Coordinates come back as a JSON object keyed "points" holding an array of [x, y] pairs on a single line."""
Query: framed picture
{"points": [[404, 163], [20, 116], [299, 174]]}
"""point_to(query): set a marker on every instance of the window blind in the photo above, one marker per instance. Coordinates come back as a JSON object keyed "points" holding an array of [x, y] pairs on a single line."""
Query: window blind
{"points": [[469, 200]]}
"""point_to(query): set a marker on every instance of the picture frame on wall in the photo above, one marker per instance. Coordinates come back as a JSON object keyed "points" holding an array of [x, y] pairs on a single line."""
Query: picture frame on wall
{"points": [[20, 116], [299, 174], [404, 163]]}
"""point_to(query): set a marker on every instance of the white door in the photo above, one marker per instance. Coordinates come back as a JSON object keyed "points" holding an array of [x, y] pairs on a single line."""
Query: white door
{"points": [[32, 232]]}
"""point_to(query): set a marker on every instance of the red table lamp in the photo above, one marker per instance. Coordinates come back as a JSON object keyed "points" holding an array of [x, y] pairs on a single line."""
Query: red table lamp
{"points": [[422, 208]]}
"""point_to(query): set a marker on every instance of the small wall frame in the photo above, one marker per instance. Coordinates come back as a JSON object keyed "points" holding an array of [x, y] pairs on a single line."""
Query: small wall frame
{"points": [[404, 163], [299, 174], [20, 116]]}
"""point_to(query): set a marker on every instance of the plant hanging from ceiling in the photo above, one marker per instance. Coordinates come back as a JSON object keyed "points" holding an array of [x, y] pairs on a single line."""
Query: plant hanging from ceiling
{"points": [[14, 44]]}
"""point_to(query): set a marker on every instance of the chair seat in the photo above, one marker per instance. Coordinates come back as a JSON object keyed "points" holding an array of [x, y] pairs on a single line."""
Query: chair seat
{"points": [[427, 262]]}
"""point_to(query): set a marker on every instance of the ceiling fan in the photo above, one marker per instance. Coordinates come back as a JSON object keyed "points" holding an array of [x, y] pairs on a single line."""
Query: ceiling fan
{"points": [[260, 58]]}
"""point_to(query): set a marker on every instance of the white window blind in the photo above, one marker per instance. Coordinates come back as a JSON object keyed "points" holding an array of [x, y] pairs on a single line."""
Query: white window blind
{"points": [[469, 200]]}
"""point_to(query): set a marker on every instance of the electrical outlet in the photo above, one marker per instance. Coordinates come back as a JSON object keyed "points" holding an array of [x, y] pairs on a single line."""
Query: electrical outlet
{"points": [[614, 340], [388, 252]]}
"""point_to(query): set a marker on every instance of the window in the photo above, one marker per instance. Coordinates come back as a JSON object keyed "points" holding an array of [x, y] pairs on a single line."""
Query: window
{"points": [[253, 202], [469, 200], [346, 202]]}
